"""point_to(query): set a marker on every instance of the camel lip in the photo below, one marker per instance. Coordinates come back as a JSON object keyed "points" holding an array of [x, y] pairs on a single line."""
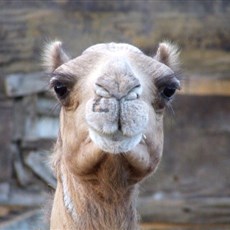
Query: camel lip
{"points": [[116, 136], [119, 144]]}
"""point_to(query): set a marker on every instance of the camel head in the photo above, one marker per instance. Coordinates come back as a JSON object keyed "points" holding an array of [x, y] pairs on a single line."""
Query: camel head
{"points": [[112, 98], [112, 94]]}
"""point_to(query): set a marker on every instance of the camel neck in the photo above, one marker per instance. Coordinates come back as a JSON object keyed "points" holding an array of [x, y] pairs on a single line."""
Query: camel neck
{"points": [[94, 204]]}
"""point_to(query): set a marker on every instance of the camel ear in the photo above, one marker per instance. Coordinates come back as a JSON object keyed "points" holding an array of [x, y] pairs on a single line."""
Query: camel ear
{"points": [[54, 56], [168, 54]]}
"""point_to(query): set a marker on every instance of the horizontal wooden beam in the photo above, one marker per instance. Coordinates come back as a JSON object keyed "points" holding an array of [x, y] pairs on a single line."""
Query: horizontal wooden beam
{"points": [[205, 86], [17, 85], [199, 210], [164, 226]]}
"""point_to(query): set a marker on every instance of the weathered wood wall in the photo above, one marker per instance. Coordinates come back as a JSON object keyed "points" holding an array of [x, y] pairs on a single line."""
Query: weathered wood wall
{"points": [[191, 188]]}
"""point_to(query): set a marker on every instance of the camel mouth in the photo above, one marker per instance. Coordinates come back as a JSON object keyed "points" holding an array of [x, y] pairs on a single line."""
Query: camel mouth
{"points": [[109, 116], [115, 143], [116, 126]]}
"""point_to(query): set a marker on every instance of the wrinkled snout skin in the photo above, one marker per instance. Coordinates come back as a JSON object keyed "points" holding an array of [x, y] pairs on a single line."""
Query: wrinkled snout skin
{"points": [[117, 116]]}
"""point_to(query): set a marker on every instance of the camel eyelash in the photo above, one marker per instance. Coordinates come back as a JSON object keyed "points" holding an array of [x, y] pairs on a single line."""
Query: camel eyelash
{"points": [[64, 78], [168, 81], [61, 84], [167, 86]]}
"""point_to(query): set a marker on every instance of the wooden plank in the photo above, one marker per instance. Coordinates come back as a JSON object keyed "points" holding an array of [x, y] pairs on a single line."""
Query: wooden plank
{"points": [[24, 112], [22, 198], [205, 86], [164, 226], [18, 119], [24, 84], [6, 132], [198, 210], [37, 161], [4, 211], [4, 191], [23, 175], [47, 106], [35, 118], [25, 221], [41, 128], [37, 143]]}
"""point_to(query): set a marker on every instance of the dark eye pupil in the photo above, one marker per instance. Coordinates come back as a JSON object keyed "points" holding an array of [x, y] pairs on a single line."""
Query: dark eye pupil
{"points": [[168, 92], [60, 89]]}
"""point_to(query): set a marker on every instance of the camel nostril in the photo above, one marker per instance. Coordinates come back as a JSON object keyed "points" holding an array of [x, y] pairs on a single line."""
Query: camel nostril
{"points": [[134, 93], [101, 91], [131, 96], [119, 124]]}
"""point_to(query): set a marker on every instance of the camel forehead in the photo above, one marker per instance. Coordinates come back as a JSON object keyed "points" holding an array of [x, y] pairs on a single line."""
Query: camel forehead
{"points": [[112, 47], [114, 58], [125, 56]]}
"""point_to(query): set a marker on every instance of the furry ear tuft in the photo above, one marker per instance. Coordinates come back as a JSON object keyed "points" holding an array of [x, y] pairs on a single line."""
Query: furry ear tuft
{"points": [[168, 53], [54, 56]]}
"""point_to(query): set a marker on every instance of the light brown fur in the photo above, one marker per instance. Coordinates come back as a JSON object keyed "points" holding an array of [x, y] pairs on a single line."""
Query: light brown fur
{"points": [[111, 132]]}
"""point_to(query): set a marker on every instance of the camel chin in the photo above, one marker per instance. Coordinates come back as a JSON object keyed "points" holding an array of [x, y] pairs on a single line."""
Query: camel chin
{"points": [[116, 143]]}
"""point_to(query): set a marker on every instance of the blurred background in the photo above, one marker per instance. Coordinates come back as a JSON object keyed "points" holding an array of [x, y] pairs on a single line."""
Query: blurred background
{"points": [[191, 189]]}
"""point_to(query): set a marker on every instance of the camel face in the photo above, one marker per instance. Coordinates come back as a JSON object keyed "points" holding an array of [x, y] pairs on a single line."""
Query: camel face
{"points": [[114, 90]]}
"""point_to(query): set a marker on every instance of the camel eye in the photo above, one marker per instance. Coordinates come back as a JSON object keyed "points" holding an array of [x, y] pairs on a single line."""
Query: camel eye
{"points": [[167, 86], [60, 89], [168, 92]]}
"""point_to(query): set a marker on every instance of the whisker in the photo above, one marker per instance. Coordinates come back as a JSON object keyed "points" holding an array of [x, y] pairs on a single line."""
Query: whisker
{"points": [[56, 107], [66, 78], [171, 112], [170, 108]]}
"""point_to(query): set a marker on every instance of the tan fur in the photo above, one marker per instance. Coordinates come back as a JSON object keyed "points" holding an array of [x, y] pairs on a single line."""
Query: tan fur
{"points": [[111, 136], [168, 54], [54, 56]]}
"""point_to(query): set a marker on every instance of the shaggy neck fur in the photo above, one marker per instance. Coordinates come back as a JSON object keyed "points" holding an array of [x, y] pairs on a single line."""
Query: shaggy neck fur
{"points": [[94, 203]]}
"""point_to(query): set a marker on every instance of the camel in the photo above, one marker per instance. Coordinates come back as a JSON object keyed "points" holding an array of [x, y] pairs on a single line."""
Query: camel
{"points": [[112, 98]]}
